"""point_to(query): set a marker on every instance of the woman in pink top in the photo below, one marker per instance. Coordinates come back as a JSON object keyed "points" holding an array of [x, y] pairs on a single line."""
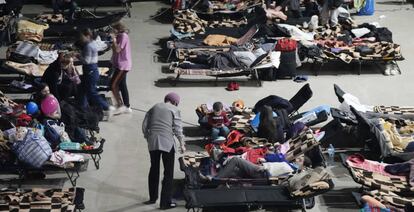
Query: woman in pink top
{"points": [[122, 62]]}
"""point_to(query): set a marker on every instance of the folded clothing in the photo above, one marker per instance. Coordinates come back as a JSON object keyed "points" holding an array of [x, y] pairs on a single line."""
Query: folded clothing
{"points": [[47, 57], [27, 48], [28, 30], [219, 40], [276, 169], [61, 157]]}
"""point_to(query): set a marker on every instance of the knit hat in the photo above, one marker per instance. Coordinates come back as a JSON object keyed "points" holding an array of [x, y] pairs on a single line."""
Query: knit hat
{"points": [[172, 97]]}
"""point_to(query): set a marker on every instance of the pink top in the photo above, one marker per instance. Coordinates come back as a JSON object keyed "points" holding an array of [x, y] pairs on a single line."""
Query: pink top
{"points": [[122, 60]]}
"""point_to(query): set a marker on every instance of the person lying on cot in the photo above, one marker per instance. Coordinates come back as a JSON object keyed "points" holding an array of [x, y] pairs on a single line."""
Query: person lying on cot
{"points": [[239, 168]]}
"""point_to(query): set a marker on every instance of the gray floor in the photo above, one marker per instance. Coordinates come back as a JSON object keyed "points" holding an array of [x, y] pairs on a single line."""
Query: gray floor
{"points": [[121, 183]]}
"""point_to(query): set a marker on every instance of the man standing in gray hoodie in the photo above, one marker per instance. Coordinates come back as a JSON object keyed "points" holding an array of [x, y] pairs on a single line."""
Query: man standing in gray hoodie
{"points": [[161, 123]]}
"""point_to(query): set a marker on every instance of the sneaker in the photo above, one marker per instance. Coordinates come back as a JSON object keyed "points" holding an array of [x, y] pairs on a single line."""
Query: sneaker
{"points": [[120, 110], [110, 112], [387, 71], [236, 86], [395, 70], [128, 110], [230, 86]]}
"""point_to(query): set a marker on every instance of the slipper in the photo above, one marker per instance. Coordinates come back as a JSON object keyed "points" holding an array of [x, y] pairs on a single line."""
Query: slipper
{"points": [[300, 78], [233, 86], [236, 86]]}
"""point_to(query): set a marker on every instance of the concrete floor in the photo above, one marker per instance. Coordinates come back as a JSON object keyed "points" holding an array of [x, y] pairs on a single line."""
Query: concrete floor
{"points": [[121, 183]]}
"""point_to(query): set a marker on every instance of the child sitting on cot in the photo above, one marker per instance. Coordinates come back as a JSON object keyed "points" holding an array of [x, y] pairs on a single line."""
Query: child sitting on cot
{"points": [[218, 121]]}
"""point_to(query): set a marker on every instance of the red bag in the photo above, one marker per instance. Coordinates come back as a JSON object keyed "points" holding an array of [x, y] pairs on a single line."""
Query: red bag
{"points": [[286, 45]]}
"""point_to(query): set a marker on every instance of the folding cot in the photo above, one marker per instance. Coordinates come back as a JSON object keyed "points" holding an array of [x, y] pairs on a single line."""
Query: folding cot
{"points": [[64, 29], [21, 170], [262, 193], [264, 62], [393, 191]]}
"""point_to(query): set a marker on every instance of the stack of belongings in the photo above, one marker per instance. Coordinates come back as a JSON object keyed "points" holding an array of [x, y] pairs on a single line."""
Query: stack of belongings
{"points": [[25, 56], [187, 24], [389, 129], [37, 199], [220, 54], [101, 39], [295, 165], [350, 42], [387, 187], [390, 136], [273, 146], [43, 134], [225, 7]]}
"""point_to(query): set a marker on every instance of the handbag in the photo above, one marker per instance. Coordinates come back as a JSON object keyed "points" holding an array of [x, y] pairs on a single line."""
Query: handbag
{"points": [[286, 45]]}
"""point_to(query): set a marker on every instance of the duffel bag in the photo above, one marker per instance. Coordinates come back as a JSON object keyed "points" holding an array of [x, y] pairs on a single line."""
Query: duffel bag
{"points": [[31, 148]]}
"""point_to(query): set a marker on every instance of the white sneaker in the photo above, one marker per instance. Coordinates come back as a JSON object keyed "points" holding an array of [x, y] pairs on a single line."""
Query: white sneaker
{"points": [[120, 110], [128, 110], [110, 112], [387, 71]]}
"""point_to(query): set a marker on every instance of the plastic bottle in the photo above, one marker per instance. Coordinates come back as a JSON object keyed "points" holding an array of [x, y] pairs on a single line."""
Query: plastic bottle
{"points": [[331, 155]]}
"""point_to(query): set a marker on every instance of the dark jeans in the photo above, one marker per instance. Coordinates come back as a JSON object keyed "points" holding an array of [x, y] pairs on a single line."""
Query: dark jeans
{"points": [[67, 90], [154, 176], [240, 168], [119, 84], [88, 91]]}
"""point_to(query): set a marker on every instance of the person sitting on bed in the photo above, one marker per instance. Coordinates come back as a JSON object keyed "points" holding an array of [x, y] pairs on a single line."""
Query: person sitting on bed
{"points": [[62, 5], [62, 77], [218, 121]]}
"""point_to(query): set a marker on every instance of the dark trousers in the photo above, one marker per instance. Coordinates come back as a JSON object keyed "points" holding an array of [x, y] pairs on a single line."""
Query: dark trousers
{"points": [[240, 168], [154, 176], [89, 92], [119, 84]]}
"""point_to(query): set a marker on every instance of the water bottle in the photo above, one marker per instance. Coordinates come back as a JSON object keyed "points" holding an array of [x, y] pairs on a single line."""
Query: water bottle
{"points": [[331, 155]]}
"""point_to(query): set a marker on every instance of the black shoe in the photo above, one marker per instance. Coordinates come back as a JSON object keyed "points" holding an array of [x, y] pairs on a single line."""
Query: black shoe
{"points": [[149, 202], [166, 207]]}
